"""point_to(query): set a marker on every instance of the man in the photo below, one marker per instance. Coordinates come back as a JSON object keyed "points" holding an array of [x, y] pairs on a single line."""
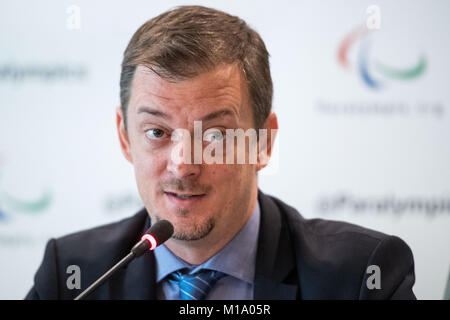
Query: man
{"points": [[190, 66]]}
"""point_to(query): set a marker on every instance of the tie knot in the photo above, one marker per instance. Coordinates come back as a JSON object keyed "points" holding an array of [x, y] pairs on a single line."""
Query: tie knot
{"points": [[195, 286]]}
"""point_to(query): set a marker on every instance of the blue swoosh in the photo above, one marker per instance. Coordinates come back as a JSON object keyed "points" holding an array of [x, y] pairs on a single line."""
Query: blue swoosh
{"points": [[2, 215], [363, 66]]}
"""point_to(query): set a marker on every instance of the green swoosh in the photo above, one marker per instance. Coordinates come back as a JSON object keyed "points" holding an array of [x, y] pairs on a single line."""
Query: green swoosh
{"points": [[27, 206], [402, 74]]}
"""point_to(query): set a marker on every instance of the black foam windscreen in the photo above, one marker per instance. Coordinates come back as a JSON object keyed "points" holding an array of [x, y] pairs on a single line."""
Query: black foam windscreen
{"points": [[161, 231]]}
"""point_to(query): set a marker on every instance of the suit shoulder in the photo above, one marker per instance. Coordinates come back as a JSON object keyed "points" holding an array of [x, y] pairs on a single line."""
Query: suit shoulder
{"points": [[93, 251], [339, 230], [335, 255], [112, 237]]}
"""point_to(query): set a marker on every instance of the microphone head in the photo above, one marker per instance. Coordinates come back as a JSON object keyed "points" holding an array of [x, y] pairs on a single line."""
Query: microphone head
{"points": [[158, 233], [161, 231]]}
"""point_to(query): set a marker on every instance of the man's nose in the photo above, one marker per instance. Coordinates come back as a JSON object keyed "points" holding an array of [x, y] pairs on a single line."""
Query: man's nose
{"points": [[181, 163]]}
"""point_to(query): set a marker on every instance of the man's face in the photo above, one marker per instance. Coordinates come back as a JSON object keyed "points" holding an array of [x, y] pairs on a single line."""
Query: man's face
{"points": [[199, 199]]}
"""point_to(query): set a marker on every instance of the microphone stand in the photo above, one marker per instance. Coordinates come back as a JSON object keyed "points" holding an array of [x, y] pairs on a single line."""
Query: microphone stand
{"points": [[106, 276]]}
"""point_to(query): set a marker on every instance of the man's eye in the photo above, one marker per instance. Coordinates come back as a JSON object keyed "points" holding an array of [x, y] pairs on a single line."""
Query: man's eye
{"points": [[155, 134], [212, 135]]}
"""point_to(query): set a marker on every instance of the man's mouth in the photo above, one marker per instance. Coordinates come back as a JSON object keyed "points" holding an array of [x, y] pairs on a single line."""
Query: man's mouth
{"points": [[183, 196]]}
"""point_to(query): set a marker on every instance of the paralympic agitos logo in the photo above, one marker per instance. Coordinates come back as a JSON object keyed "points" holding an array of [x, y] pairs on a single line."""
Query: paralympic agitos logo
{"points": [[373, 74]]}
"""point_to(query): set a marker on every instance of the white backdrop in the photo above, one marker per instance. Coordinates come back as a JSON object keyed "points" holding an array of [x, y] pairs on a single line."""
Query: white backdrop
{"points": [[378, 157]]}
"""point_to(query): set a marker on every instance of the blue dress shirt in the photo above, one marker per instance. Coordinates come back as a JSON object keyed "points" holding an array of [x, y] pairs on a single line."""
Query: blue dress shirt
{"points": [[236, 259]]}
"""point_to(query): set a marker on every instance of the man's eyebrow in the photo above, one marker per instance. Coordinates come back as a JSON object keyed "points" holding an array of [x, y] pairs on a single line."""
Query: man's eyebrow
{"points": [[154, 112], [208, 117], [218, 114]]}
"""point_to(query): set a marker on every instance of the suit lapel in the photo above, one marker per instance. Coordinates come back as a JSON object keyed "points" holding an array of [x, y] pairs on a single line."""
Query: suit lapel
{"points": [[140, 280], [275, 272]]}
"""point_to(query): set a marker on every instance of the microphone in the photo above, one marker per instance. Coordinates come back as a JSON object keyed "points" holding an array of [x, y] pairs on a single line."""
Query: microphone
{"points": [[157, 234]]}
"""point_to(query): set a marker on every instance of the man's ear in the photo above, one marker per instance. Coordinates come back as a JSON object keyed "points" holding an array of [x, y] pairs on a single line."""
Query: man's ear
{"points": [[267, 140], [123, 135]]}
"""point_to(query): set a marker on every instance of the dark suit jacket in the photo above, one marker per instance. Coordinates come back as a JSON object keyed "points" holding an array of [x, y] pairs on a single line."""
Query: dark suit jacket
{"points": [[296, 258]]}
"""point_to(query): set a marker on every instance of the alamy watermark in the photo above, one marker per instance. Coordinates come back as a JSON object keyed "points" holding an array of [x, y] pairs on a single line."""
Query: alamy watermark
{"points": [[374, 280], [73, 21], [74, 279], [213, 146], [373, 21]]}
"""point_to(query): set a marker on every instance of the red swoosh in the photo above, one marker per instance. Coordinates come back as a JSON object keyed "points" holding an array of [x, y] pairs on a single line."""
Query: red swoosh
{"points": [[348, 41]]}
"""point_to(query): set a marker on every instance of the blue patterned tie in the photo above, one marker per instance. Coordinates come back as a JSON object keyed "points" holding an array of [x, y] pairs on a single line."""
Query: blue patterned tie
{"points": [[195, 286]]}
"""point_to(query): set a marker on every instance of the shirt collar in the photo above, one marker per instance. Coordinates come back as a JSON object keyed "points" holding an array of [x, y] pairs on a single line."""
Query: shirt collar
{"points": [[236, 259]]}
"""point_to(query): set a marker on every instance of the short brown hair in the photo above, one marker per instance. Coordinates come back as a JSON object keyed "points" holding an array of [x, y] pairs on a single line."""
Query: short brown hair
{"points": [[188, 40]]}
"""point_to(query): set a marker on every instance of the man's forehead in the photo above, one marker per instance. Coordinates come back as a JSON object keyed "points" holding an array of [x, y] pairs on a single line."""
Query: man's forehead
{"points": [[222, 83]]}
